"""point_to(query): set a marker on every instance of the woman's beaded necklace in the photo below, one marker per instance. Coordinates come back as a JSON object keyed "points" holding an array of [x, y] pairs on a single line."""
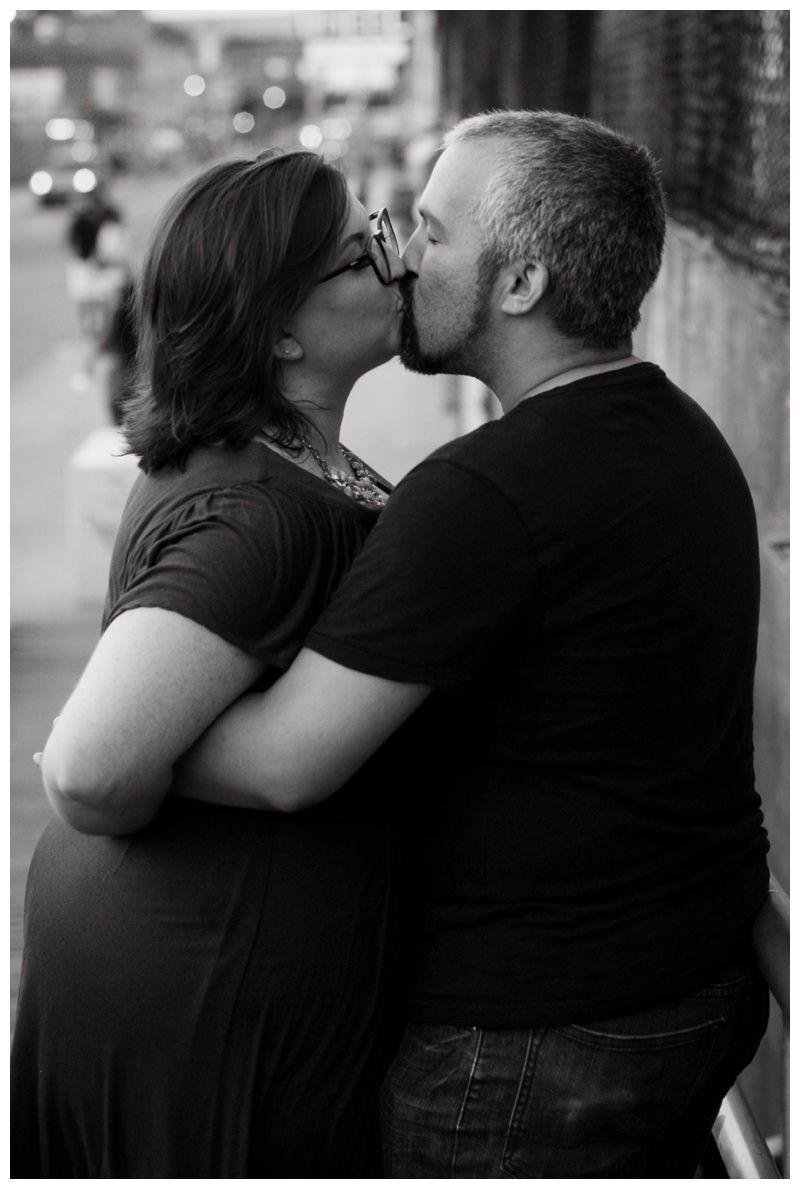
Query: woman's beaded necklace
{"points": [[362, 488]]}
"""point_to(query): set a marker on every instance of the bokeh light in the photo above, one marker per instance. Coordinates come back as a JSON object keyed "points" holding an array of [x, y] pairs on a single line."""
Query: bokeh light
{"points": [[336, 129], [310, 136], [166, 140], [60, 129], [84, 181], [47, 27], [41, 183], [83, 130], [243, 121], [194, 85], [82, 151], [274, 97]]}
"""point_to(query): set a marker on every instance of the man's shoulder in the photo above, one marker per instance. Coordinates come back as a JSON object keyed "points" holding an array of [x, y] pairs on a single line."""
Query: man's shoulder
{"points": [[454, 466], [470, 448], [570, 437]]}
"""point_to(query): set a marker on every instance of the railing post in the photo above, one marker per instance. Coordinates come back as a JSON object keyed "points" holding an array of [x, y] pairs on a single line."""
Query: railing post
{"points": [[741, 1146]]}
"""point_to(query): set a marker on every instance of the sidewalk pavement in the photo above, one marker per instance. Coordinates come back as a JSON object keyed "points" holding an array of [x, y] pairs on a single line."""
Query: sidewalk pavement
{"points": [[393, 420]]}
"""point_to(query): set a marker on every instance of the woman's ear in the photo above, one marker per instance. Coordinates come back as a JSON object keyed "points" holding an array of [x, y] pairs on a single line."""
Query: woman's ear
{"points": [[287, 348], [526, 285]]}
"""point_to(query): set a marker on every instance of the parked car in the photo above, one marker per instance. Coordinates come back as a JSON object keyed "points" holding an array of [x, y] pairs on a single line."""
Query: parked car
{"points": [[62, 179]]}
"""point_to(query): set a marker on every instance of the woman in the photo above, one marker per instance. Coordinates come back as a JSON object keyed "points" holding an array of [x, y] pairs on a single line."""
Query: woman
{"points": [[211, 992]]}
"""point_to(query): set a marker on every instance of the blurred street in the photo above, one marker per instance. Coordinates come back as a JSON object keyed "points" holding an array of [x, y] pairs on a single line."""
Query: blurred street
{"points": [[394, 419]]}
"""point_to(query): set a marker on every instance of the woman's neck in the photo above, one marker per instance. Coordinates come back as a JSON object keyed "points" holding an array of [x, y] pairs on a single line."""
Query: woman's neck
{"points": [[324, 430], [322, 402], [321, 454], [320, 437]]}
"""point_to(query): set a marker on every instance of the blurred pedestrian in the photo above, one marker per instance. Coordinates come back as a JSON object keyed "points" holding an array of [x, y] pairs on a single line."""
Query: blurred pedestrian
{"points": [[92, 212], [101, 262], [578, 585], [115, 362], [210, 992]]}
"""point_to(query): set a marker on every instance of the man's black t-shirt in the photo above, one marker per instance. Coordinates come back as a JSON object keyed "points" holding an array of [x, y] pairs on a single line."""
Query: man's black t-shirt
{"points": [[579, 581]]}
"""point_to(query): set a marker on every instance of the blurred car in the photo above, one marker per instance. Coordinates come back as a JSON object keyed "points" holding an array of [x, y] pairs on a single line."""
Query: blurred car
{"points": [[62, 179]]}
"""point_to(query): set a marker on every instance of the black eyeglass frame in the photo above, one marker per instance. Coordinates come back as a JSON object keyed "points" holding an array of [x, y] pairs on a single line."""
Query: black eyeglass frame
{"points": [[374, 251]]}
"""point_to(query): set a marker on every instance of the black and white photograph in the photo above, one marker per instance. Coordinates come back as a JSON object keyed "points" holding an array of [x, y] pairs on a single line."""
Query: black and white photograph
{"points": [[399, 594]]}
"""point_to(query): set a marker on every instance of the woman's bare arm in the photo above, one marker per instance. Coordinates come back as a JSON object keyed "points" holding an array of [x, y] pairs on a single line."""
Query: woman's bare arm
{"points": [[155, 681]]}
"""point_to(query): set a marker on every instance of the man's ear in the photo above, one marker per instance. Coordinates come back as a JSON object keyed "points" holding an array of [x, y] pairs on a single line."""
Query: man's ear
{"points": [[287, 348], [525, 285]]}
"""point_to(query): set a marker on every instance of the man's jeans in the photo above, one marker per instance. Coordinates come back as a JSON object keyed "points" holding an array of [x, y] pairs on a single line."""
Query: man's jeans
{"points": [[634, 1096]]}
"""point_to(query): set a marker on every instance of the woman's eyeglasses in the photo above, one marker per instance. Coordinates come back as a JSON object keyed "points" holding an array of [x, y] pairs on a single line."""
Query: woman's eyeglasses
{"points": [[374, 253]]}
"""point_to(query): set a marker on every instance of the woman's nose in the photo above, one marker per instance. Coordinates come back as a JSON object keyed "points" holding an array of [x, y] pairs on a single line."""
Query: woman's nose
{"points": [[397, 265]]}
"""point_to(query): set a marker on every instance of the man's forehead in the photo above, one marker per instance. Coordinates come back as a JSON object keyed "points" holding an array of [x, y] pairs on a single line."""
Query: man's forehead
{"points": [[460, 173]]}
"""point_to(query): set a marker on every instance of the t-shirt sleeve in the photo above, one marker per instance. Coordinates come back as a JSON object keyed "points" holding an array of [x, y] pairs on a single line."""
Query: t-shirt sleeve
{"points": [[254, 569], [441, 585]]}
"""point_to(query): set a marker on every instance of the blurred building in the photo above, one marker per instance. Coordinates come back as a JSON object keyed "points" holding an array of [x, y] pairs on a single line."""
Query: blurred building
{"points": [[164, 88], [233, 90], [79, 65]]}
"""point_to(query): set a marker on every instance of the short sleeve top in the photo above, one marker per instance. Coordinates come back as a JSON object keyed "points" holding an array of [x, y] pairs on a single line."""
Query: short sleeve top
{"points": [[244, 543], [579, 583]]}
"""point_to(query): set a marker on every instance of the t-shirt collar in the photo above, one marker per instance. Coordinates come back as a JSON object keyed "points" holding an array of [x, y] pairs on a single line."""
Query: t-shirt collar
{"points": [[580, 373]]}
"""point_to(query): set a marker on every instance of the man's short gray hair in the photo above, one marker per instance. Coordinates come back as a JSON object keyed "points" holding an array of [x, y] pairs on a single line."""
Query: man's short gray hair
{"points": [[582, 200]]}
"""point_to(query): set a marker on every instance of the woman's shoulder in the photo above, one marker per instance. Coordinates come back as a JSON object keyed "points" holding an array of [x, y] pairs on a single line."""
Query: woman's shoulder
{"points": [[254, 556], [238, 512], [251, 483]]}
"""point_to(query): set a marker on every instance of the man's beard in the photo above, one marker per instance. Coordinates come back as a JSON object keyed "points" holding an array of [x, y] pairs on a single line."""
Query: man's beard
{"points": [[455, 360], [411, 355]]}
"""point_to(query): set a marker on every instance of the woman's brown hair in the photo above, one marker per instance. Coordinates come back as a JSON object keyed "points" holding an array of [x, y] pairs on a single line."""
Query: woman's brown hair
{"points": [[235, 254]]}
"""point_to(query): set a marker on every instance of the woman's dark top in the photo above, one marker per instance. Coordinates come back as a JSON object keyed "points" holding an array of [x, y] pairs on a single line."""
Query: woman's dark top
{"points": [[219, 994]]}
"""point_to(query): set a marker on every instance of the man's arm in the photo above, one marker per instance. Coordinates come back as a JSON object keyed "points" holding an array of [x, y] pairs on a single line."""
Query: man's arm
{"points": [[435, 592], [300, 741]]}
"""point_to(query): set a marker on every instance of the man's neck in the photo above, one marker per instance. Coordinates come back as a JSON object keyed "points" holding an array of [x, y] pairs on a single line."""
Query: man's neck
{"points": [[542, 374], [579, 373]]}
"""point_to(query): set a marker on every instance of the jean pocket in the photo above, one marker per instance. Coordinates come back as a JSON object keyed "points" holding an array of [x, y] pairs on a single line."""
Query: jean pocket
{"points": [[735, 980], [590, 1094], [432, 1063]]}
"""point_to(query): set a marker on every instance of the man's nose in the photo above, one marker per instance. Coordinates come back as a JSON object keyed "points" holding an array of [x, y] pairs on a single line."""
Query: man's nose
{"points": [[412, 254]]}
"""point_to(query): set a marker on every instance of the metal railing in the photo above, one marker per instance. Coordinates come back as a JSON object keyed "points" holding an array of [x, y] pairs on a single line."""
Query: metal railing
{"points": [[741, 1146]]}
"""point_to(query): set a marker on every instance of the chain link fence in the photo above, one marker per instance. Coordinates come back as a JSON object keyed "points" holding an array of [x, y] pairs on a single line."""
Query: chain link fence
{"points": [[707, 91]]}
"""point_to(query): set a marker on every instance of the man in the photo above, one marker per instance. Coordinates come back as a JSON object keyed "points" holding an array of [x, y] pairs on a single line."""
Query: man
{"points": [[578, 584]]}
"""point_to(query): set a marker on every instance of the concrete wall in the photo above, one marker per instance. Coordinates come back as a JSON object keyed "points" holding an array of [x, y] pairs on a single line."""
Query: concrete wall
{"points": [[720, 334]]}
